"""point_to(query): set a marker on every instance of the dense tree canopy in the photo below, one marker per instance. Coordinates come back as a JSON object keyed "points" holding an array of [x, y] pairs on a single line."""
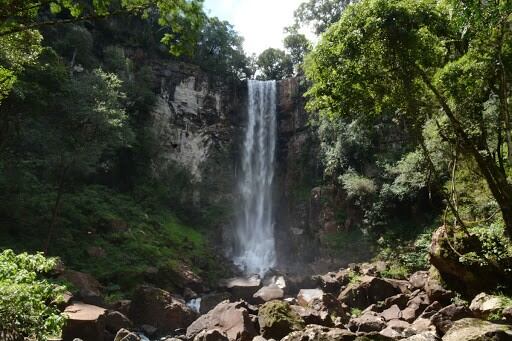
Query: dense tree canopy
{"points": [[20, 21], [421, 59]]}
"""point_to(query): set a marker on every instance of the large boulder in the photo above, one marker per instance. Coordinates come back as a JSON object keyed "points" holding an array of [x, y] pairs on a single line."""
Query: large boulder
{"points": [[320, 333], [210, 301], [368, 322], [368, 290], [211, 335], [472, 329], [84, 321], [329, 283], [89, 290], [268, 293], [242, 287], [424, 336], [444, 319], [415, 306], [322, 302], [126, 335], [158, 308], [115, 320], [312, 316], [484, 305], [419, 279], [277, 319], [232, 319]]}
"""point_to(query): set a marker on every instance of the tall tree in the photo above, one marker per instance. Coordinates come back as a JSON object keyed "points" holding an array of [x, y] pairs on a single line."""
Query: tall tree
{"points": [[420, 59], [319, 14], [297, 46], [274, 64]]}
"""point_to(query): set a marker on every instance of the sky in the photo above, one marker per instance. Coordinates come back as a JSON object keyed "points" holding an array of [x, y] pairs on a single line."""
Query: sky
{"points": [[260, 22]]}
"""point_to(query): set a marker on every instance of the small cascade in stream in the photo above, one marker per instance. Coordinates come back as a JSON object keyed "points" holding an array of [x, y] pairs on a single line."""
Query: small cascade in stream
{"points": [[255, 244]]}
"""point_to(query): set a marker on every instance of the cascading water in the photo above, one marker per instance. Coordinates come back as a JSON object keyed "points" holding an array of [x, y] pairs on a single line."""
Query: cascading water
{"points": [[255, 249]]}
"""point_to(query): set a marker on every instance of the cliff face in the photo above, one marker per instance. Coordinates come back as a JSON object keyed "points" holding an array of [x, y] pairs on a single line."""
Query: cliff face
{"points": [[199, 126]]}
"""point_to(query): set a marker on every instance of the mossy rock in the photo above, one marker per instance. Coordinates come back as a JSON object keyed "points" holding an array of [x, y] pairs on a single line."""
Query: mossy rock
{"points": [[277, 319]]}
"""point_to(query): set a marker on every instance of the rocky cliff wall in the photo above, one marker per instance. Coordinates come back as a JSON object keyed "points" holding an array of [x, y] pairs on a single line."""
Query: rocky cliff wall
{"points": [[197, 124], [199, 127]]}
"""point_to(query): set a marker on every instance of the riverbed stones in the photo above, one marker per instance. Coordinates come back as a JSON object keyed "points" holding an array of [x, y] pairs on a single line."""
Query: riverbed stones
{"points": [[159, 308], [472, 329], [368, 290], [445, 318], [232, 319], [84, 321], [368, 322], [312, 316], [316, 333]]}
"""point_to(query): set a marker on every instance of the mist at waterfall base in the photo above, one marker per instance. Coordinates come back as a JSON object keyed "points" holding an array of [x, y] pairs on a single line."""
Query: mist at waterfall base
{"points": [[254, 241]]}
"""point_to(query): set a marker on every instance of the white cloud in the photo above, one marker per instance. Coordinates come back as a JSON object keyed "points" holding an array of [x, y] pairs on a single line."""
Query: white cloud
{"points": [[260, 22]]}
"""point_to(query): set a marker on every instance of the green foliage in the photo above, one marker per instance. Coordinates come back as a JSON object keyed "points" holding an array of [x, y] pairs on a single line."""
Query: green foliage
{"points": [[358, 188], [405, 59], [355, 312], [20, 41], [297, 46], [219, 50], [274, 64], [405, 252], [320, 14], [28, 301]]}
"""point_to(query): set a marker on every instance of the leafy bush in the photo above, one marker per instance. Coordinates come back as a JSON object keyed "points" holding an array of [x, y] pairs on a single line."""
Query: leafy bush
{"points": [[28, 302], [357, 186]]}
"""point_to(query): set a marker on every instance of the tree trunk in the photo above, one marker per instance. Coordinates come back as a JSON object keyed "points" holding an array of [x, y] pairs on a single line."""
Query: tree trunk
{"points": [[497, 181], [55, 210]]}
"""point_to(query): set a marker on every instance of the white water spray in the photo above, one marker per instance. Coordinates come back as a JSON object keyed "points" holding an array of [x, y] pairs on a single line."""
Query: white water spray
{"points": [[255, 249]]}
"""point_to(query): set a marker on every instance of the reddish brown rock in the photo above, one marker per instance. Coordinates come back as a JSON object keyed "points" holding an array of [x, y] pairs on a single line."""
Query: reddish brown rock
{"points": [[115, 320], [444, 319], [158, 308], [392, 313], [89, 289], [84, 321], [368, 322], [231, 319], [367, 291], [312, 316]]}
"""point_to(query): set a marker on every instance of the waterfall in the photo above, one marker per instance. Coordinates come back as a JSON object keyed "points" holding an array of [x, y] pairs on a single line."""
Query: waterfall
{"points": [[255, 249]]}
